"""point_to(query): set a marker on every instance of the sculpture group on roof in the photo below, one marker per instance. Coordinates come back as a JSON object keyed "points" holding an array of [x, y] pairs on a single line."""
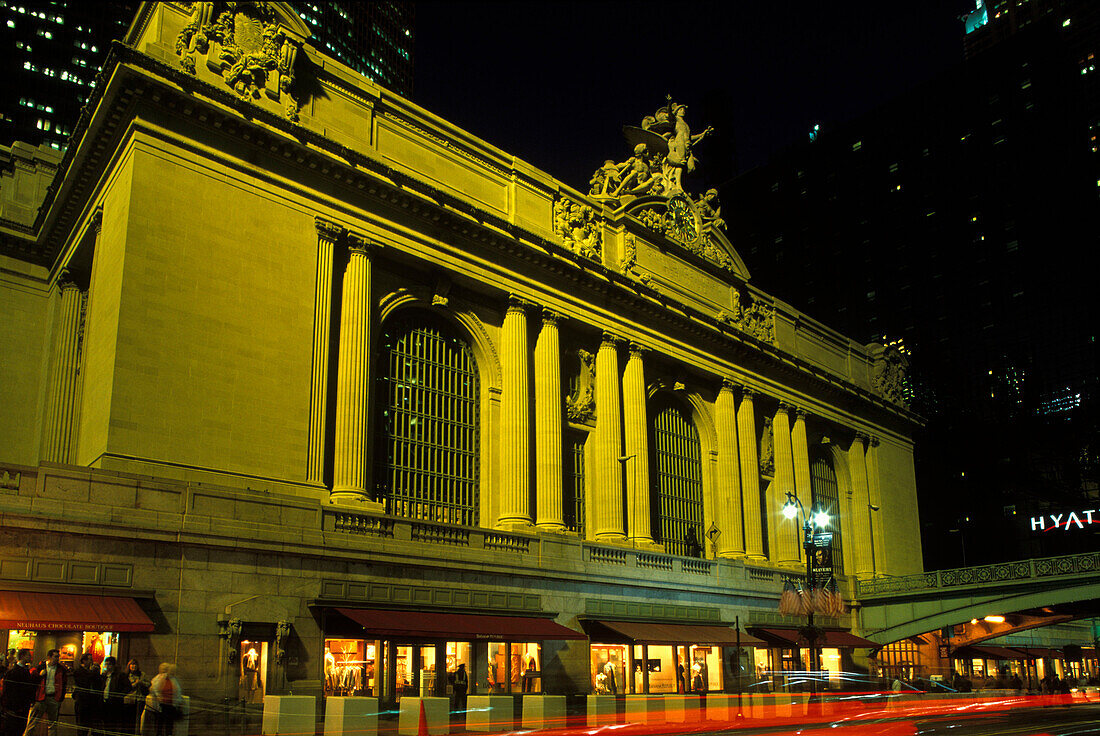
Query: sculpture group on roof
{"points": [[663, 150]]}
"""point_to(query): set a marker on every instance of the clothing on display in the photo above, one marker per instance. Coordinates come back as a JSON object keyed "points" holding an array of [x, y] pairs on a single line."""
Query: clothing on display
{"points": [[250, 686]]}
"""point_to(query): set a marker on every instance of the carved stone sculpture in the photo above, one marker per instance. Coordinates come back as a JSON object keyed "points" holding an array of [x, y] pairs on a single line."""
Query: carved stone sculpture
{"points": [[755, 318], [579, 228], [888, 374], [767, 449], [580, 406]]}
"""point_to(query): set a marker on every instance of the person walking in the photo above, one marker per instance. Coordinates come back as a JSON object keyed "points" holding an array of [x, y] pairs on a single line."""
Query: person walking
{"points": [[168, 699], [134, 702], [51, 680], [17, 689], [116, 685], [461, 686], [85, 694]]}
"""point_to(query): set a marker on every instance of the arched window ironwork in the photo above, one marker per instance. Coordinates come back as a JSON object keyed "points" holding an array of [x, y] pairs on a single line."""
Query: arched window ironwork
{"points": [[677, 468], [825, 496], [427, 393]]}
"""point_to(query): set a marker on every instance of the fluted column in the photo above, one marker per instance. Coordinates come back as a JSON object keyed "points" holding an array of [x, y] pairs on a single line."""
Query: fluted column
{"points": [[727, 501], [789, 531], [800, 450], [353, 378], [750, 476], [327, 235], [636, 447], [861, 530], [548, 425], [61, 392], [607, 494], [515, 458]]}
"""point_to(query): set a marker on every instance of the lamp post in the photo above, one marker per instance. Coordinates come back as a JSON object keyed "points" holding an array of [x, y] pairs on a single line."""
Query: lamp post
{"points": [[871, 525], [791, 510]]}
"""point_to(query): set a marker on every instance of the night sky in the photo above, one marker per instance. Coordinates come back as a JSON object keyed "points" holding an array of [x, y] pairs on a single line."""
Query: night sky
{"points": [[553, 83]]}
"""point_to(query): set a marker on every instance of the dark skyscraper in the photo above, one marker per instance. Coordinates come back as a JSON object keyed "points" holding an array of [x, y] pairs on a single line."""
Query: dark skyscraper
{"points": [[961, 218], [53, 51]]}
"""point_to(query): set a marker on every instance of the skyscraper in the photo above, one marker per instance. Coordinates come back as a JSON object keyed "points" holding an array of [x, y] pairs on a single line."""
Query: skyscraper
{"points": [[961, 219], [55, 49]]}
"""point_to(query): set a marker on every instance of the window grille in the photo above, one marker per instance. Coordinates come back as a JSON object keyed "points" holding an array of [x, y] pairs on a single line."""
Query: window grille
{"points": [[825, 497], [573, 492], [678, 480], [428, 397], [901, 659]]}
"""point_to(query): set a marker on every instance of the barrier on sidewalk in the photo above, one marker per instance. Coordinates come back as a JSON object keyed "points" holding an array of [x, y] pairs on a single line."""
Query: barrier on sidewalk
{"points": [[681, 708], [354, 715], [645, 709], [289, 714], [424, 716], [601, 710], [543, 711], [490, 713]]}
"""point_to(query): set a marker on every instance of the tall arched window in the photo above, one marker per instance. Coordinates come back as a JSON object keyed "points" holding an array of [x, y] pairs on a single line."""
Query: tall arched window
{"points": [[826, 497], [427, 394], [678, 482]]}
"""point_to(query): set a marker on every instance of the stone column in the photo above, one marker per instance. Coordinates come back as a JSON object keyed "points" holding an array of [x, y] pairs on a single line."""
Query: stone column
{"points": [[61, 391], [353, 378], [789, 531], [515, 428], [861, 530], [636, 447], [750, 476], [874, 498], [727, 498], [800, 450], [607, 491], [327, 235], [548, 425]]}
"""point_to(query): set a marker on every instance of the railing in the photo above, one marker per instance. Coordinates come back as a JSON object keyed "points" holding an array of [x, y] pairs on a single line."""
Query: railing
{"points": [[507, 542], [1004, 572], [440, 534], [374, 526]]}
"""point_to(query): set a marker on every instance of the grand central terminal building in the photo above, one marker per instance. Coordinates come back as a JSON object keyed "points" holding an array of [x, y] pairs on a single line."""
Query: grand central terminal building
{"points": [[306, 388]]}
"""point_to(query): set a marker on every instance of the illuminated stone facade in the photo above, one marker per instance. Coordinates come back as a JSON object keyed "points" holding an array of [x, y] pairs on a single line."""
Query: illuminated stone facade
{"points": [[248, 244]]}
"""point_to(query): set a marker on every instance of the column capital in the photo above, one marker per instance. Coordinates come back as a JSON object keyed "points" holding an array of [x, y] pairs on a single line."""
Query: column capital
{"points": [[96, 223], [327, 229], [785, 408], [874, 441], [748, 393], [359, 244], [861, 437], [728, 384], [549, 316], [610, 338], [800, 413], [516, 303], [66, 280], [637, 350]]}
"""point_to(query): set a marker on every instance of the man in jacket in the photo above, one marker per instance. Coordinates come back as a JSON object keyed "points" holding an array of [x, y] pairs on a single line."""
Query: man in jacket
{"points": [[18, 694], [116, 683], [51, 679], [86, 695]]}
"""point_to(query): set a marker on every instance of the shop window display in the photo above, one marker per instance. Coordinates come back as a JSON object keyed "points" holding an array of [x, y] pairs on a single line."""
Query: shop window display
{"points": [[513, 667], [21, 639], [100, 644], [252, 665], [706, 669], [458, 652], [349, 667], [608, 668]]}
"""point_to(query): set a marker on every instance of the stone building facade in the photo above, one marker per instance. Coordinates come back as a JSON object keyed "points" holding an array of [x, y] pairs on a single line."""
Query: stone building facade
{"points": [[294, 366]]}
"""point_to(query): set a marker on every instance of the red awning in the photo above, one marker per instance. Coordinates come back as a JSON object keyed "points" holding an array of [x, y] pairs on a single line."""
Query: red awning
{"points": [[659, 633], [71, 612], [788, 638], [436, 625], [982, 651]]}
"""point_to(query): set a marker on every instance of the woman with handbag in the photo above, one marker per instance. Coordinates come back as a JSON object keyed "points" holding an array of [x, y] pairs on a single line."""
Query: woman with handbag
{"points": [[166, 695], [134, 702]]}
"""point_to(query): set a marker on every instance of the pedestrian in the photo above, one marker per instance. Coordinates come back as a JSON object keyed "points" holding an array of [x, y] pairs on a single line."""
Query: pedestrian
{"points": [[9, 661], [17, 690], [134, 702], [116, 686], [51, 680], [85, 694], [1015, 683], [167, 697], [461, 686]]}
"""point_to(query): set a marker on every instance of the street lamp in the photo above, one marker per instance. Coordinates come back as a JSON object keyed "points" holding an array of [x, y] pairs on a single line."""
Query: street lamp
{"points": [[871, 524], [820, 519]]}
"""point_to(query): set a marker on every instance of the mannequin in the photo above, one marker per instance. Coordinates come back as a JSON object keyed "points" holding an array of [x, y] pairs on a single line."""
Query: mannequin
{"points": [[250, 676]]}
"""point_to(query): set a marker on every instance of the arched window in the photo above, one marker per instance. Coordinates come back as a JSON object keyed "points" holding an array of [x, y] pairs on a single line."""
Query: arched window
{"points": [[826, 497], [427, 394], [677, 468]]}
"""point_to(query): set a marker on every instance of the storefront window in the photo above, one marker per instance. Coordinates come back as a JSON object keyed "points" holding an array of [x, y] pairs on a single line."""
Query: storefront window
{"points": [[608, 668], [706, 669], [349, 667], [514, 667], [251, 681], [100, 644], [20, 639]]}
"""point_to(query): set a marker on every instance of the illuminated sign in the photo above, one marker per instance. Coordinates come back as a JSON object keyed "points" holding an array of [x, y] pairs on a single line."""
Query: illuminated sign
{"points": [[1064, 521]]}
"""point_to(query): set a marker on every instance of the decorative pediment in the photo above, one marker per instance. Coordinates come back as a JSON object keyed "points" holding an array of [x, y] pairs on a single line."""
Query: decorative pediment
{"points": [[253, 46]]}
